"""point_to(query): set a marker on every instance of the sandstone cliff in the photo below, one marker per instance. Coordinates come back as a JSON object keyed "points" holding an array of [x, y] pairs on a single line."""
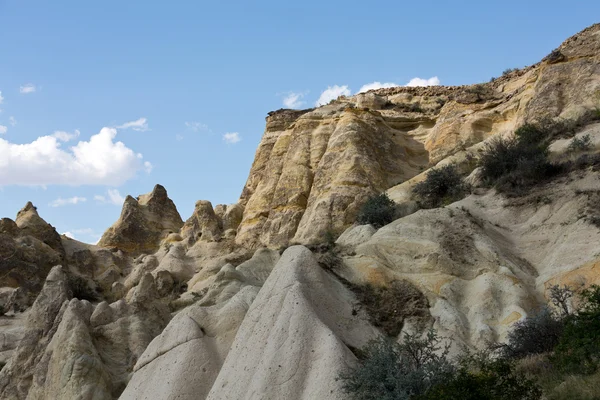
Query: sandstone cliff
{"points": [[314, 168]]}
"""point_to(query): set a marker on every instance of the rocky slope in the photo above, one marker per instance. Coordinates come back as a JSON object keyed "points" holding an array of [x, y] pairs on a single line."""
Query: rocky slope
{"points": [[218, 306]]}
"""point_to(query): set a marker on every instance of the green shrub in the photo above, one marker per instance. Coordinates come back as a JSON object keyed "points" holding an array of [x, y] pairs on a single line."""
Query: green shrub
{"points": [[515, 164], [583, 143], [485, 380], [378, 211], [536, 334], [578, 350], [442, 186], [392, 371]]}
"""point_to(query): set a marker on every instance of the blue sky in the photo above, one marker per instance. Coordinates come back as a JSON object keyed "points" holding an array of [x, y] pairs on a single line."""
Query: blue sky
{"points": [[185, 86]]}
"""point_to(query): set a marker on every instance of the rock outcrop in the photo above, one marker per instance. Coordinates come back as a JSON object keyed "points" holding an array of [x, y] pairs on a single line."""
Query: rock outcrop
{"points": [[29, 248], [143, 223]]}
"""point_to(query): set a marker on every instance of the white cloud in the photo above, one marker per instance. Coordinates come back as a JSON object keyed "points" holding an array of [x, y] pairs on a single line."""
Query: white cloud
{"points": [[113, 197], [332, 93], [69, 235], [12, 121], [376, 85], [179, 137], [99, 161], [3, 129], [231, 137], [293, 100], [70, 201], [27, 88], [196, 126], [433, 81], [84, 231], [1, 98], [65, 136], [140, 125]]}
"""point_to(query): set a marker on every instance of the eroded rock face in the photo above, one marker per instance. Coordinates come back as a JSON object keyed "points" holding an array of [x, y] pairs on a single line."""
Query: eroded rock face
{"points": [[143, 223], [204, 224], [293, 343], [73, 349], [314, 168], [29, 248]]}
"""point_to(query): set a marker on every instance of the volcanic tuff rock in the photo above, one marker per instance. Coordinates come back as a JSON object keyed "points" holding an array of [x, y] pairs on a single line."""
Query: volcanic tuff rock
{"points": [[143, 223], [314, 168], [29, 248]]}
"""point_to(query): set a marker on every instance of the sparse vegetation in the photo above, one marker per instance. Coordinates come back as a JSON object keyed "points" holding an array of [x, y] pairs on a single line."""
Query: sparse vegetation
{"points": [[514, 164], [392, 371], [556, 354], [509, 71], [442, 186], [378, 211], [419, 368], [583, 143], [387, 307]]}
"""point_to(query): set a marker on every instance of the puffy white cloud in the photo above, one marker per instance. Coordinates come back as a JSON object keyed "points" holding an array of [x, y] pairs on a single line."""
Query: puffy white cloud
{"points": [[27, 88], [65, 136], [12, 121], [332, 93], [69, 235], [140, 125], [433, 81], [231, 137], [99, 161], [376, 85], [196, 126], [70, 201], [293, 100], [3, 129], [112, 197]]}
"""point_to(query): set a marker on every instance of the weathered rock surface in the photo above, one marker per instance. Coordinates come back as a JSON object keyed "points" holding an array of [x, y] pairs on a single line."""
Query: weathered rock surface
{"points": [[294, 340], [71, 349], [29, 248], [143, 223]]}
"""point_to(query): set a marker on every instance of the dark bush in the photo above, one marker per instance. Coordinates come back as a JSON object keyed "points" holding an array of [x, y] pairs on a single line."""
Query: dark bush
{"points": [[442, 186], [536, 334], [392, 371], [378, 211], [515, 164], [486, 380], [578, 350]]}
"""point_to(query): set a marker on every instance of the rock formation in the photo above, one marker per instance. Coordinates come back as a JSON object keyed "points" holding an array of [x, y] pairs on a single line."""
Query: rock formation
{"points": [[143, 223], [220, 307]]}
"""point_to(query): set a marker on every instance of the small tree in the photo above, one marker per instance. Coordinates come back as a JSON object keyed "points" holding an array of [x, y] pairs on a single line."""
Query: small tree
{"points": [[559, 296], [378, 211]]}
